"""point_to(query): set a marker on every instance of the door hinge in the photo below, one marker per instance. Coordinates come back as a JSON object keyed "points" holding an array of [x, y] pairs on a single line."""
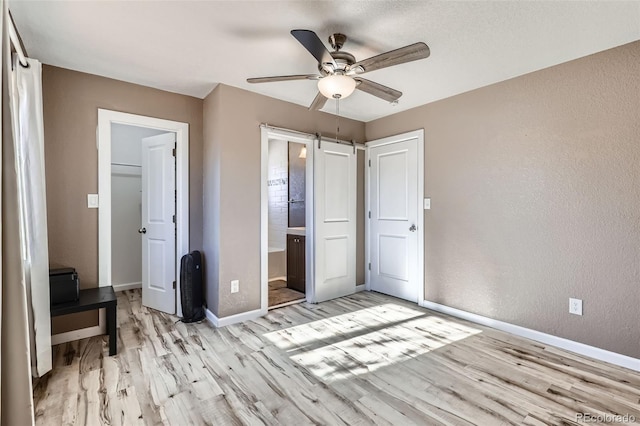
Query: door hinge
{"points": [[174, 218], [174, 285], [369, 214], [173, 152], [369, 265], [369, 162]]}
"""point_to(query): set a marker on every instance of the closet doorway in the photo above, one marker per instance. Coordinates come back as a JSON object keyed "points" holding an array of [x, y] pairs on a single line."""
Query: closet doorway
{"points": [[143, 191], [142, 209]]}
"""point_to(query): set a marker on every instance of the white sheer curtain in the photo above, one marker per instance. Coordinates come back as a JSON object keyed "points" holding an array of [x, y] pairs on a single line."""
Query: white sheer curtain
{"points": [[27, 123], [25, 335]]}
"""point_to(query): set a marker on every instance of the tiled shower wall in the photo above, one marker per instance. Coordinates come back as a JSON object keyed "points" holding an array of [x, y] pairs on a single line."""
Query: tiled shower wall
{"points": [[278, 190]]}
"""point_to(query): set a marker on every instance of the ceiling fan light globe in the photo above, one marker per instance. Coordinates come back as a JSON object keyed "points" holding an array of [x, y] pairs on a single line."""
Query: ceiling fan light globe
{"points": [[336, 86]]}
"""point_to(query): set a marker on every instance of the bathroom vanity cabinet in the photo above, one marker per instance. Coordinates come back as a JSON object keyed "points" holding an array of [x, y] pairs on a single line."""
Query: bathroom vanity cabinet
{"points": [[296, 262]]}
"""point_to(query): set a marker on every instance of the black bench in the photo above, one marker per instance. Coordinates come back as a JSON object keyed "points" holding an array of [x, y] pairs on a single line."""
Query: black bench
{"points": [[90, 299]]}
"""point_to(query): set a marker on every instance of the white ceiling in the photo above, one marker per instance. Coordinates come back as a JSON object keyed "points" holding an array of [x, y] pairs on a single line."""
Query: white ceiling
{"points": [[189, 47]]}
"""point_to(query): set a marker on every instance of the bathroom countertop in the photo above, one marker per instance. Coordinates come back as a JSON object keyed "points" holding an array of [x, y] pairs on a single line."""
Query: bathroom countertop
{"points": [[297, 231]]}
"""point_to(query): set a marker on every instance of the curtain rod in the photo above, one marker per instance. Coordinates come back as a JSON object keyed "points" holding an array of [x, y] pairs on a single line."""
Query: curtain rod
{"points": [[314, 135], [16, 41]]}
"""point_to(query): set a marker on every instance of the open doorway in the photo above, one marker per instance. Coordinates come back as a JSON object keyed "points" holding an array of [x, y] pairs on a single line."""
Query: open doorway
{"points": [[286, 218], [126, 204], [286, 182], [143, 191], [143, 234]]}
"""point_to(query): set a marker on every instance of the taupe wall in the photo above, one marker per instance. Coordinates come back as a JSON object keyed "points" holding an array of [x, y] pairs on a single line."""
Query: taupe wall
{"points": [[71, 101], [535, 198], [232, 186]]}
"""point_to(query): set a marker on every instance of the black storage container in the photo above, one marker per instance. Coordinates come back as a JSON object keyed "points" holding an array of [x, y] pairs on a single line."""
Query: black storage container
{"points": [[191, 288], [63, 285]]}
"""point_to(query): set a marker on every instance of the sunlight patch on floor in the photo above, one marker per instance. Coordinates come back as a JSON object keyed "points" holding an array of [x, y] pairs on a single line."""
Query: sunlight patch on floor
{"points": [[298, 337], [363, 341]]}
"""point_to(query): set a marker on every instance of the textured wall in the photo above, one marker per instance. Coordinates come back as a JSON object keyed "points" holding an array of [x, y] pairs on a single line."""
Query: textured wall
{"points": [[535, 198], [277, 184], [232, 184], [71, 101], [126, 242], [297, 190]]}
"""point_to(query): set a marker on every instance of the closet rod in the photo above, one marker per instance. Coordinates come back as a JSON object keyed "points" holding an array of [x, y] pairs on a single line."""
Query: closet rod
{"points": [[16, 41], [126, 165]]}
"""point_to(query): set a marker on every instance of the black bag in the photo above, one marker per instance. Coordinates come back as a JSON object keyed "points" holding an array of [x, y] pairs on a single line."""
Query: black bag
{"points": [[63, 285], [191, 295]]}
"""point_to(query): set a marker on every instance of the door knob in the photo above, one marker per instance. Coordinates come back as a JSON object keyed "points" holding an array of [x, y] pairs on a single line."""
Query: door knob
{"points": [[142, 230], [413, 228]]}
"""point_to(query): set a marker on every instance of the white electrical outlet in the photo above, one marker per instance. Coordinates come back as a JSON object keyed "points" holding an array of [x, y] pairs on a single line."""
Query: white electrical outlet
{"points": [[575, 306], [92, 201], [427, 203], [235, 286]]}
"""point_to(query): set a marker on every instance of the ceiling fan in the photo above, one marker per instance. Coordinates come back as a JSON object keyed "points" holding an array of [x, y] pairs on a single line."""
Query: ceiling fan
{"points": [[340, 72]]}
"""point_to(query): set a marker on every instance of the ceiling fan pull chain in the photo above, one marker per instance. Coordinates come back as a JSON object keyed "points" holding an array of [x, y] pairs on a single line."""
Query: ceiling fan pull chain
{"points": [[337, 118]]}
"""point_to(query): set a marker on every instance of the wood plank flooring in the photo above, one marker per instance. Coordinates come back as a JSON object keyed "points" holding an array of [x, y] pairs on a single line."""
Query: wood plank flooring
{"points": [[359, 360]]}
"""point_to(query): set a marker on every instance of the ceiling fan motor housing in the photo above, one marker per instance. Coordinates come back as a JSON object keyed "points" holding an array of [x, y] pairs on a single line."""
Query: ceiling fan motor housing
{"points": [[337, 40], [343, 61]]}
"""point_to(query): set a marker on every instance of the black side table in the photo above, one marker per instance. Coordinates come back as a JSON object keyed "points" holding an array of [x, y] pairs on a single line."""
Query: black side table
{"points": [[90, 299]]}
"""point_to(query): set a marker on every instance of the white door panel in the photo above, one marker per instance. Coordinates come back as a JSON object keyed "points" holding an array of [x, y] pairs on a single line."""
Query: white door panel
{"points": [[335, 221], [158, 210], [393, 193]]}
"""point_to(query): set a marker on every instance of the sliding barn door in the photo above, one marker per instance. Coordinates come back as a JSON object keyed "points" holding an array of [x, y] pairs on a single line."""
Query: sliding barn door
{"points": [[335, 220]]}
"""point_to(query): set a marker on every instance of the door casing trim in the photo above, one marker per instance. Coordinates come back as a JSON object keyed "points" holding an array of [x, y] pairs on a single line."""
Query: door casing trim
{"points": [[105, 119], [419, 135]]}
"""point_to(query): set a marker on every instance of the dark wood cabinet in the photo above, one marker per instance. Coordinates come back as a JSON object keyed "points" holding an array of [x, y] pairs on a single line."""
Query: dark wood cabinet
{"points": [[296, 266]]}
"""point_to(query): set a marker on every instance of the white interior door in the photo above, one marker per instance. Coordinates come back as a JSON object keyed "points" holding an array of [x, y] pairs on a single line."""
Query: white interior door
{"points": [[335, 221], [393, 227], [158, 227]]}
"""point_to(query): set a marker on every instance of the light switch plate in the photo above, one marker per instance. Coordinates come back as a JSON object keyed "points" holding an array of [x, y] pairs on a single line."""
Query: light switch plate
{"points": [[92, 201], [235, 286], [427, 203]]}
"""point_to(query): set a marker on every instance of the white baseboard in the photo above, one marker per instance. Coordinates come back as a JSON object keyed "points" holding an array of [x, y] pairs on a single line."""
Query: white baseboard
{"points": [[70, 336], [278, 279], [361, 287], [559, 342], [233, 319], [83, 333], [126, 286]]}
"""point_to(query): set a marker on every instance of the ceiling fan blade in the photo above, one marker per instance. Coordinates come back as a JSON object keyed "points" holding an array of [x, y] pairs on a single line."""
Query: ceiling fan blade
{"points": [[312, 43], [413, 52], [283, 78], [377, 89], [318, 102]]}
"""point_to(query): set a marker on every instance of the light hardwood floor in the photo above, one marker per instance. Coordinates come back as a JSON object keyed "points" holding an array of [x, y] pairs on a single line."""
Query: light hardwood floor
{"points": [[359, 360]]}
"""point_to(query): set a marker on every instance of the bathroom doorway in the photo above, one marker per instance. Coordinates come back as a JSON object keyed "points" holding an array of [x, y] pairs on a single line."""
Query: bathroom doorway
{"points": [[286, 193]]}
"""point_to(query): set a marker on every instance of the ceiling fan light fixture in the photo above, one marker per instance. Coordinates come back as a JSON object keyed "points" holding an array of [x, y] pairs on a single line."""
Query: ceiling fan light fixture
{"points": [[336, 86]]}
